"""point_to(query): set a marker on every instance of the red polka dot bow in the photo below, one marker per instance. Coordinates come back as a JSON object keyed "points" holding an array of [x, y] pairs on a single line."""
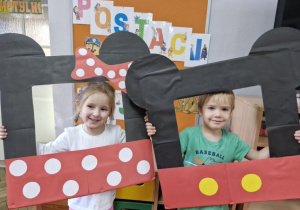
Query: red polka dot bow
{"points": [[88, 66]]}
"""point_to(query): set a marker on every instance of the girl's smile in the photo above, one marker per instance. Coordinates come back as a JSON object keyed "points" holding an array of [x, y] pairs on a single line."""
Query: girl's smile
{"points": [[95, 112]]}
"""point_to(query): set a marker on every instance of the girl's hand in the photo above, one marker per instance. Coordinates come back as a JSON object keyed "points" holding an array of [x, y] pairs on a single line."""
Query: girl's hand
{"points": [[297, 136], [3, 133], [150, 128]]}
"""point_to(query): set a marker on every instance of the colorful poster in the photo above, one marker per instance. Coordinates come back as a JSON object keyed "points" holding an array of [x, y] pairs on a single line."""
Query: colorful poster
{"points": [[156, 36], [21, 6], [177, 43], [100, 17], [138, 21], [119, 111], [198, 50], [120, 18], [81, 11]]}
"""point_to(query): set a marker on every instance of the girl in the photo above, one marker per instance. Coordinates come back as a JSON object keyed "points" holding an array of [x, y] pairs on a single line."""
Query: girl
{"points": [[95, 104]]}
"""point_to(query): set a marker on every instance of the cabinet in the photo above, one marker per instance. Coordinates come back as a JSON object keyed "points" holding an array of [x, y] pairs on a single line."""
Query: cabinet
{"points": [[247, 119]]}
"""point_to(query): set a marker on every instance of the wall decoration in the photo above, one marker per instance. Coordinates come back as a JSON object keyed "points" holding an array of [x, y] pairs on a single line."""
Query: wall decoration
{"points": [[21, 6], [199, 47]]}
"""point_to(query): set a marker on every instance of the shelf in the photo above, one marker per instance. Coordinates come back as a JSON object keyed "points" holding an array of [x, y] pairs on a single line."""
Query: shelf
{"points": [[262, 141]]}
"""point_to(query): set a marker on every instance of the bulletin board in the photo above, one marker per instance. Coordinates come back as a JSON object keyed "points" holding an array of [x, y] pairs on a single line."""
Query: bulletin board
{"points": [[193, 14]]}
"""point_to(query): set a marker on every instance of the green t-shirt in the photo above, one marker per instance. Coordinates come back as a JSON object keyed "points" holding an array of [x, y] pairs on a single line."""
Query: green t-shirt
{"points": [[198, 150]]}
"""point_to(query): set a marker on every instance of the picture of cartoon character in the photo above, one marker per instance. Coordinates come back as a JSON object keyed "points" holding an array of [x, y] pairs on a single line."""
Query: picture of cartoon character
{"points": [[126, 26], [93, 44], [137, 31], [77, 12], [192, 56], [170, 52], [187, 105], [204, 52], [185, 36], [155, 34], [108, 27], [163, 48], [96, 8]]}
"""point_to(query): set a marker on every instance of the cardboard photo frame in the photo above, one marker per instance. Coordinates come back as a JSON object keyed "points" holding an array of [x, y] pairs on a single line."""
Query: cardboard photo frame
{"points": [[272, 63]]}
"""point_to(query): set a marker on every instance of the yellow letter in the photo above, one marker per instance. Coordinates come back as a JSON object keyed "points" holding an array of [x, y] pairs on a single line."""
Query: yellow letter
{"points": [[39, 8], [22, 7], [27, 9], [2, 6], [8, 6], [173, 44], [15, 3], [33, 7]]}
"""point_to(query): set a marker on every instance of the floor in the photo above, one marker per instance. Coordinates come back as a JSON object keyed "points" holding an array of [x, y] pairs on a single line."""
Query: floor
{"points": [[62, 205]]}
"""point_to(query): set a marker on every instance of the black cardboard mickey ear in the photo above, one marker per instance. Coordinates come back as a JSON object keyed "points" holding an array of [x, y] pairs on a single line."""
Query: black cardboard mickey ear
{"points": [[23, 65], [14, 45], [122, 47], [273, 66]]}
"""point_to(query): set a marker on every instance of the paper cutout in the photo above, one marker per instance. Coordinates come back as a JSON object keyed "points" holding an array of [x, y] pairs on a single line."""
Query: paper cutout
{"points": [[230, 183], [274, 51], [46, 178], [88, 66], [199, 47], [100, 18], [19, 75], [151, 76]]}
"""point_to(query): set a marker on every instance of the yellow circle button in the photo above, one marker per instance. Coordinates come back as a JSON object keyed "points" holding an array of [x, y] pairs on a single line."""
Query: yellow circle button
{"points": [[208, 186], [251, 182]]}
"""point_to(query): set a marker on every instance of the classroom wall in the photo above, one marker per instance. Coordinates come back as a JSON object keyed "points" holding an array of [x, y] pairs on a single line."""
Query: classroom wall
{"points": [[234, 26]]}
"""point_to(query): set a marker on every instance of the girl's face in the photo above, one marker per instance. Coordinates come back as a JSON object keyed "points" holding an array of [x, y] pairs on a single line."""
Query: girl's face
{"points": [[216, 113], [94, 113]]}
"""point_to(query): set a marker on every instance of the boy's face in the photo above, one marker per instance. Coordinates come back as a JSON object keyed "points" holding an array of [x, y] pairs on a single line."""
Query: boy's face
{"points": [[216, 113]]}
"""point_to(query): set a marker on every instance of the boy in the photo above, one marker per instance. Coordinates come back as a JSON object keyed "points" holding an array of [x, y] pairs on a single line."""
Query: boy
{"points": [[211, 143]]}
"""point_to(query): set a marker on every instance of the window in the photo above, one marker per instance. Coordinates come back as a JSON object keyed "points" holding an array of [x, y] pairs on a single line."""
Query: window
{"points": [[35, 26]]}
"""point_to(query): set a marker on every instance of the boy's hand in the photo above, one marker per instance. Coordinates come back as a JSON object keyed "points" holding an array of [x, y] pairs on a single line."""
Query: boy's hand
{"points": [[150, 129], [297, 135], [3, 133]]}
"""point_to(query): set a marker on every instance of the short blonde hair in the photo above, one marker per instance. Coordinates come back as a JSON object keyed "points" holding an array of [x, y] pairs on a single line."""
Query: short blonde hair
{"points": [[92, 88], [229, 95]]}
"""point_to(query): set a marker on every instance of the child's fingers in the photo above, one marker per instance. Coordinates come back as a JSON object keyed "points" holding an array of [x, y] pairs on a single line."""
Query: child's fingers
{"points": [[297, 135], [146, 118], [150, 129], [3, 135]]}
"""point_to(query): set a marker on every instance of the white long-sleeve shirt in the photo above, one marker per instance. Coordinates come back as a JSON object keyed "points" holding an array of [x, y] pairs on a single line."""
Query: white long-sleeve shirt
{"points": [[75, 138]]}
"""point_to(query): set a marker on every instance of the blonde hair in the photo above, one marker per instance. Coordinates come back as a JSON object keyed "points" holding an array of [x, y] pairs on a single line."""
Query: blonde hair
{"points": [[229, 95], [92, 88]]}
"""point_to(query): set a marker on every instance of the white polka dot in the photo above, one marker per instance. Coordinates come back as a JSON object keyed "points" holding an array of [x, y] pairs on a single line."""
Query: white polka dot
{"points": [[52, 166], [122, 72], [31, 190], [18, 168], [129, 65], [80, 72], [125, 154], [98, 71], [122, 84], [114, 178], [89, 162], [143, 167], [111, 74], [90, 62], [70, 188], [82, 51]]}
